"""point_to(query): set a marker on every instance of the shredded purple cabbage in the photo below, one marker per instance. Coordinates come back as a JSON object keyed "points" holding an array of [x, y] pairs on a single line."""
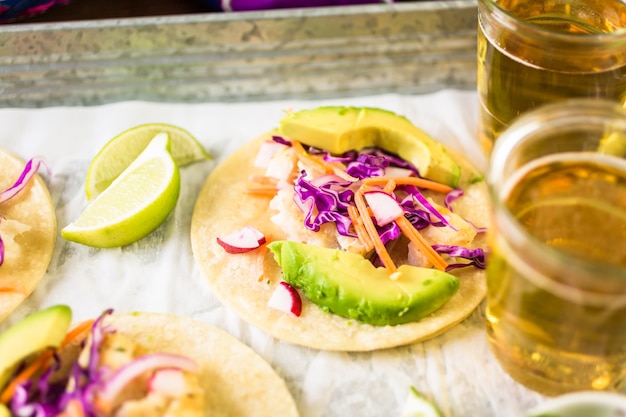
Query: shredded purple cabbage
{"points": [[450, 198], [476, 256], [281, 140], [416, 193], [327, 201]]}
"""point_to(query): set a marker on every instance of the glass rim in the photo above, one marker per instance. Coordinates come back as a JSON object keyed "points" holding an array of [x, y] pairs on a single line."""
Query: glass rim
{"points": [[560, 114], [526, 29]]}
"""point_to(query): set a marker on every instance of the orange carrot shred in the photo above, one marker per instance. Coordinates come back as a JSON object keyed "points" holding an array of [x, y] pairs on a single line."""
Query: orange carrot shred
{"points": [[26, 374], [390, 186], [359, 228], [379, 246], [263, 179], [414, 236], [419, 182], [10, 289], [73, 409], [78, 330], [262, 191]]}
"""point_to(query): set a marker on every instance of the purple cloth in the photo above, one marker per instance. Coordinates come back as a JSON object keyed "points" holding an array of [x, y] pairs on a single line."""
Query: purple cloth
{"points": [[11, 10], [242, 5]]}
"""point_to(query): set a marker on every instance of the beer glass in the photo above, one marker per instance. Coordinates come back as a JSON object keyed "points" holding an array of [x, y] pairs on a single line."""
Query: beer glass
{"points": [[556, 271], [534, 52]]}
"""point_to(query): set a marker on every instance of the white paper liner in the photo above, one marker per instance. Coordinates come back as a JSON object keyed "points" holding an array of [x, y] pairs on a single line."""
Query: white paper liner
{"points": [[158, 273]]}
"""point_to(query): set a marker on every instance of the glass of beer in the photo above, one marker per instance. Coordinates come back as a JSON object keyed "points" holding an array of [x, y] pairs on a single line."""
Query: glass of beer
{"points": [[556, 272], [534, 52]]}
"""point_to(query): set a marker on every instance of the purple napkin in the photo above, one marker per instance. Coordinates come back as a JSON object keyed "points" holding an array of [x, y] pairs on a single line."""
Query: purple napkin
{"points": [[241, 5]]}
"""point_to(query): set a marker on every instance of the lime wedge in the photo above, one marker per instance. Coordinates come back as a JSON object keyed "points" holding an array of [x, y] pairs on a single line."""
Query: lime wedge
{"points": [[135, 204], [119, 152], [417, 405]]}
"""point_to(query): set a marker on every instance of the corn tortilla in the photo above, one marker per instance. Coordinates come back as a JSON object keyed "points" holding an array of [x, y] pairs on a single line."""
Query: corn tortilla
{"points": [[244, 282], [33, 209], [237, 382]]}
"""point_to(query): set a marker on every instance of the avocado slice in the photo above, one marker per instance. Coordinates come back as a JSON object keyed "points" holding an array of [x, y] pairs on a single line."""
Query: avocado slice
{"points": [[40, 330], [340, 129], [350, 286]]}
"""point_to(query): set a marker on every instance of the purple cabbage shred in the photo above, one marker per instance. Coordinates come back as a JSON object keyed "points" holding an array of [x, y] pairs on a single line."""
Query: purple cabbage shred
{"points": [[477, 257]]}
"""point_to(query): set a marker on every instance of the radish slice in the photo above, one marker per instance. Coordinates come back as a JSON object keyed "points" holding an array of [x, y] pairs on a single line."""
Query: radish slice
{"points": [[124, 375], [286, 298], [168, 382], [384, 207], [266, 151], [244, 240]]}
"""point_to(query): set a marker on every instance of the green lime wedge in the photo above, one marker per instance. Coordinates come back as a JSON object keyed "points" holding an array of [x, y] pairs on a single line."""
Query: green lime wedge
{"points": [[417, 405], [118, 153], [135, 203]]}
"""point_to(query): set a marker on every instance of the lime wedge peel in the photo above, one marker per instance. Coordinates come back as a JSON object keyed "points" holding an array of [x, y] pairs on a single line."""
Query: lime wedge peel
{"points": [[119, 152], [417, 405], [135, 204]]}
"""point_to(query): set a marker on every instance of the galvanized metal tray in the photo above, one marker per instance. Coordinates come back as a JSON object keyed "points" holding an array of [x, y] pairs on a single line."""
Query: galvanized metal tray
{"points": [[407, 48]]}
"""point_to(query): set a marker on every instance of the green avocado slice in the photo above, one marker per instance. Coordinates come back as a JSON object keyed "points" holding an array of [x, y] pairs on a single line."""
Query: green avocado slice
{"points": [[340, 129], [350, 286], [38, 331]]}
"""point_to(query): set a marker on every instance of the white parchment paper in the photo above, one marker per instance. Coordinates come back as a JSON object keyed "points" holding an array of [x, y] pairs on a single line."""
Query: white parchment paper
{"points": [[158, 273]]}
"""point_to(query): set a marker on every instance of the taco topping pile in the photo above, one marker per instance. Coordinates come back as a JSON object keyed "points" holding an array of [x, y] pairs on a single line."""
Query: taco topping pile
{"points": [[111, 376], [365, 202]]}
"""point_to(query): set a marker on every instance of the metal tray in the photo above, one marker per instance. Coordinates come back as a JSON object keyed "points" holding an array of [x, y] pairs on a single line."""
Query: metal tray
{"points": [[407, 48]]}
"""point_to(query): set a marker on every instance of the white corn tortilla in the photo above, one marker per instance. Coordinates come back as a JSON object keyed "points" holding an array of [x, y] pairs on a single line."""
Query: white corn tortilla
{"points": [[240, 282], [237, 382]]}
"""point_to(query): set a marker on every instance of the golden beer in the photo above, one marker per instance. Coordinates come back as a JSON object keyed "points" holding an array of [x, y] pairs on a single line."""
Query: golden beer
{"points": [[571, 331], [533, 52], [556, 272]]}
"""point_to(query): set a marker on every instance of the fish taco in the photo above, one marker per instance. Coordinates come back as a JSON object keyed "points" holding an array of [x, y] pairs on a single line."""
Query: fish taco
{"points": [[138, 364], [27, 230], [344, 229]]}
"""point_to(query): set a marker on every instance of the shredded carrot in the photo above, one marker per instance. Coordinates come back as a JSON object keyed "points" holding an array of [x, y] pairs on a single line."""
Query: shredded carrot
{"points": [[418, 240], [42, 362], [10, 289], [25, 375], [418, 182], [78, 330], [262, 191], [263, 185], [73, 409], [379, 246], [359, 228], [390, 186], [263, 179]]}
